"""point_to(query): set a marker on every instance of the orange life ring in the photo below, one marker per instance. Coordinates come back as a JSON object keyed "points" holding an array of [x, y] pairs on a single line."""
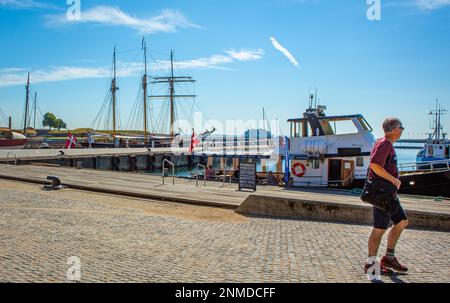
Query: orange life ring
{"points": [[298, 169]]}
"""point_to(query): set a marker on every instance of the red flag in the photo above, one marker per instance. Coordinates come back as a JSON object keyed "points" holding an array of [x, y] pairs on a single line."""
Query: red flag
{"points": [[194, 142], [71, 141]]}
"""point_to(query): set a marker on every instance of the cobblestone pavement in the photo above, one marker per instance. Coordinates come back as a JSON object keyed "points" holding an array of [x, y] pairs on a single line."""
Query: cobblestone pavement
{"points": [[130, 240]]}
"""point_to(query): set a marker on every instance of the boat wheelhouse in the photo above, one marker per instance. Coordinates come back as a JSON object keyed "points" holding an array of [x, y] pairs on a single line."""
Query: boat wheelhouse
{"points": [[329, 150], [437, 146]]}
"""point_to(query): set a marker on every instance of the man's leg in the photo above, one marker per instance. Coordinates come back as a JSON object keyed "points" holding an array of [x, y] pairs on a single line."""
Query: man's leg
{"points": [[395, 233], [381, 220], [400, 222], [374, 241]]}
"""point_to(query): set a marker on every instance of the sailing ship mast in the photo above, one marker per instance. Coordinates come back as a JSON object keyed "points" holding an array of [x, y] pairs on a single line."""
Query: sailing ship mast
{"points": [[144, 87], [172, 92], [265, 121], [34, 109], [27, 101], [114, 88], [171, 81]]}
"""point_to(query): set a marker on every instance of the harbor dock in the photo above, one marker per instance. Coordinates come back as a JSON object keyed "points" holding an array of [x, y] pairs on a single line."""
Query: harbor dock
{"points": [[273, 201]]}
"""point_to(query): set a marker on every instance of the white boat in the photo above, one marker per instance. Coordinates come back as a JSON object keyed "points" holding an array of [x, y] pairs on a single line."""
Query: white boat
{"points": [[430, 174], [329, 150], [437, 146]]}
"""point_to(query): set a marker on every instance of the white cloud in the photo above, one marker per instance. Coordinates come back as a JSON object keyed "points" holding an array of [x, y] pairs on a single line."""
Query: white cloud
{"points": [[167, 21], [24, 4], [431, 4], [18, 76], [200, 63], [246, 55], [10, 70], [216, 61], [52, 74], [284, 51]]}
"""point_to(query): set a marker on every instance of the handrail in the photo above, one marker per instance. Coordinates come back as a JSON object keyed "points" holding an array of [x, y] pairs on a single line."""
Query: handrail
{"points": [[173, 171], [225, 175], [204, 174], [428, 166]]}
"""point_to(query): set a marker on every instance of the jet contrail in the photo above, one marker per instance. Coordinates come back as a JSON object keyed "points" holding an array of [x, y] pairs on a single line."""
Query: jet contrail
{"points": [[284, 51]]}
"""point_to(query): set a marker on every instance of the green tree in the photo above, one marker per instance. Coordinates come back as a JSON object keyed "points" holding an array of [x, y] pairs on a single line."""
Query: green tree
{"points": [[60, 124], [49, 120]]}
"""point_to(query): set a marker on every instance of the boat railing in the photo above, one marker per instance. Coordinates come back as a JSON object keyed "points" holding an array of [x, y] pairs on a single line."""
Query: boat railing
{"points": [[164, 169], [204, 174], [225, 170], [236, 143], [310, 182], [424, 167]]}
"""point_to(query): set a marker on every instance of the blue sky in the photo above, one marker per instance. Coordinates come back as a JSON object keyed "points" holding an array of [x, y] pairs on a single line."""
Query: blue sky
{"points": [[396, 66]]}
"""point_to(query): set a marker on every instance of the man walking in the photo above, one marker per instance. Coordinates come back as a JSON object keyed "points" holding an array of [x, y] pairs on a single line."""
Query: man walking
{"points": [[383, 165]]}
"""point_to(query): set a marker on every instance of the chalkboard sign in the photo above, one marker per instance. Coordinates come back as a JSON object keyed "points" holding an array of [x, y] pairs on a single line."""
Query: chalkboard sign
{"points": [[247, 176]]}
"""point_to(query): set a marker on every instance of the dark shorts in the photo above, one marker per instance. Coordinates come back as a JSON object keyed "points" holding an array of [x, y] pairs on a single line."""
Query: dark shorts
{"points": [[382, 219]]}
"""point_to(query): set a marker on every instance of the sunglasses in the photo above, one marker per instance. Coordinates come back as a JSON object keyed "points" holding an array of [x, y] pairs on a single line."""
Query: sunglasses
{"points": [[401, 127]]}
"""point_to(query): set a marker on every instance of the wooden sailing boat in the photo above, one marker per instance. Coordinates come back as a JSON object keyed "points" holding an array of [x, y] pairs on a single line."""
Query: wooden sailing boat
{"points": [[171, 81], [157, 134], [150, 137]]}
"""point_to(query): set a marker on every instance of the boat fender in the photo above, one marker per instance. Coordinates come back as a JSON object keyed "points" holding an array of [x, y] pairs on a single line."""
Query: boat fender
{"points": [[115, 162], [151, 159], [133, 162]]}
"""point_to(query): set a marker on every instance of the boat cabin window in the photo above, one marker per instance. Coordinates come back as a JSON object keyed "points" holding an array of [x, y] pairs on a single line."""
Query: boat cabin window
{"points": [[365, 125], [327, 128], [296, 129], [331, 126], [315, 164], [338, 126], [343, 127], [300, 129]]}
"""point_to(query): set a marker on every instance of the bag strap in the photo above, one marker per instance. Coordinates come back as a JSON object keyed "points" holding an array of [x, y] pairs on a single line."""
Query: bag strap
{"points": [[368, 170]]}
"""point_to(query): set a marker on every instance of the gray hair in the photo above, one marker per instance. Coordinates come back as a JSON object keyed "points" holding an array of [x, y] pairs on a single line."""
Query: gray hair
{"points": [[389, 124]]}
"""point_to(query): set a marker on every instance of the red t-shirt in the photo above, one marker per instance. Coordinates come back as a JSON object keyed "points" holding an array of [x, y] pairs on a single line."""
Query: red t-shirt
{"points": [[383, 154]]}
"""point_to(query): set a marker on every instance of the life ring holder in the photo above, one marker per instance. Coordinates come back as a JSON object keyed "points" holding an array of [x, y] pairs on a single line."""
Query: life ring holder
{"points": [[295, 172]]}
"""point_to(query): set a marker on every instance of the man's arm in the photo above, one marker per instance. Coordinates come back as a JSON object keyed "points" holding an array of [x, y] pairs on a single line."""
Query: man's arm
{"points": [[380, 171]]}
